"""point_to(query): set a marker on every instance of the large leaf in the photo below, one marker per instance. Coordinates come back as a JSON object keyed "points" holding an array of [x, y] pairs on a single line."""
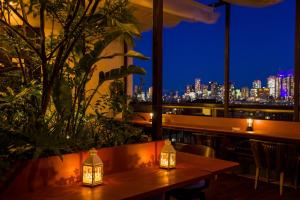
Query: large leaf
{"points": [[120, 73], [130, 54], [88, 60], [129, 28], [62, 97]]}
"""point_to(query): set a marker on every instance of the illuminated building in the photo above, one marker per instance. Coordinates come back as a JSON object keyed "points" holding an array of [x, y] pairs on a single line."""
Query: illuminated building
{"points": [[245, 93], [253, 92], [238, 94], [149, 93], [213, 88], [263, 93], [198, 85], [285, 87], [256, 84], [188, 89], [204, 89], [271, 82]]}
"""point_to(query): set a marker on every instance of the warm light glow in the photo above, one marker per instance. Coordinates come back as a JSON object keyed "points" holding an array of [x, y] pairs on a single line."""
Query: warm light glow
{"points": [[151, 116], [98, 174], [168, 156], [250, 122], [87, 175], [92, 170]]}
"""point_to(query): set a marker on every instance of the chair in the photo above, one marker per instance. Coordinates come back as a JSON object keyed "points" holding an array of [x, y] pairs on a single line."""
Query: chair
{"points": [[201, 150], [195, 190], [272, 156]]}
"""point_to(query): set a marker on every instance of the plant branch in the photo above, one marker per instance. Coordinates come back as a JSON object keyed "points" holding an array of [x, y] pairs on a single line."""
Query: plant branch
{"points": [[22, 18], [8, 26]]}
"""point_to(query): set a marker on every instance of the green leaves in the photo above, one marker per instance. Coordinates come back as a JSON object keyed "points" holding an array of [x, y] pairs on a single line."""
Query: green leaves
{"points": [[120, 73], [129, 54], [62, 97]]}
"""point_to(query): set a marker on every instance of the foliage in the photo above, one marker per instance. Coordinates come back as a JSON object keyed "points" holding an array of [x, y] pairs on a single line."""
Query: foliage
{"points": [[44, 102], [107, 130]]}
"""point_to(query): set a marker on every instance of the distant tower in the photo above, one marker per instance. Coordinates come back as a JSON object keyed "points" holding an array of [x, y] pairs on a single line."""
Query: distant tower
{"points": [[213, 87], [245, 93], [285, 84], [188, 89], [278, 85], [136, 89], [198, 85], [256, 84], [272, 86], [289, 79], [176, 94], [150, 92]]}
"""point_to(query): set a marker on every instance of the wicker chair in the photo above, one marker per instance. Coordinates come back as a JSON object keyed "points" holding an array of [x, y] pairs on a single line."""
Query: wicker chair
{"points": [[271, 156], [195, 190]]}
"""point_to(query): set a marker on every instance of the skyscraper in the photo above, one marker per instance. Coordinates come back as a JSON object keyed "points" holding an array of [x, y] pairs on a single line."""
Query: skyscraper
{"points": [[288, 81], [188, 89], [253, 93], [245, 93], [149, 93], [256, 84], [285, 81], [263, 93], [213, 87], [198, 85], [278, 86], [272, 86]]}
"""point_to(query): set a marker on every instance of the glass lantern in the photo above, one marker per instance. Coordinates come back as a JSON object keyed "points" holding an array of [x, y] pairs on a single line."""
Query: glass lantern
{"points": [[151, 117], [250, 124], [167, 156], [92, 169]]}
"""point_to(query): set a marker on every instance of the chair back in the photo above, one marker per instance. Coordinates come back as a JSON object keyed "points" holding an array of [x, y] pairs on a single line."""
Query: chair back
{"points": [[196, 149], [273, 155], [258, 153]]}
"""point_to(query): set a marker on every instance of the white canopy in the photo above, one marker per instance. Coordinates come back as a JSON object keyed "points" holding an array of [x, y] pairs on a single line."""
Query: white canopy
{"points": [[175, 11], [254, 3]]}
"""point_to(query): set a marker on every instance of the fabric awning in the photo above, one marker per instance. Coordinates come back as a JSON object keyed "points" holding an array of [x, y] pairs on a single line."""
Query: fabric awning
{"points": [[254, 3], [175, 11]]}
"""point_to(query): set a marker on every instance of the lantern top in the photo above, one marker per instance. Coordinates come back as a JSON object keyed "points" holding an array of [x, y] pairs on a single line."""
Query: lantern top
{"points": [[93, 158], [93, 151], [167, 142], [168, 147]]}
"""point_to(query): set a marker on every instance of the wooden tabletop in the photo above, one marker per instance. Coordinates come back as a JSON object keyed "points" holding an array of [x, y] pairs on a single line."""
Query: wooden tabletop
{"points": [[286, 136], [138, 183]]}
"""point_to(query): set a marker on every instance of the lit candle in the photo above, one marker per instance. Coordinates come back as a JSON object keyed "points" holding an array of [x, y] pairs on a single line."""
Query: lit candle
{"points": [[151, 116], [250, 124]]}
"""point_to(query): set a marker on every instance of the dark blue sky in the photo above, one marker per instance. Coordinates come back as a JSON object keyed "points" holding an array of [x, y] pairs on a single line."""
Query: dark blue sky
{"points": [[262, 42]]}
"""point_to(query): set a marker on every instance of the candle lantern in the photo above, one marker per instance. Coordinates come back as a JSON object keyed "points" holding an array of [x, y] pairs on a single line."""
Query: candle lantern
{"points": [[167, 156], [151, 116], [250, 124], [92, 169]]}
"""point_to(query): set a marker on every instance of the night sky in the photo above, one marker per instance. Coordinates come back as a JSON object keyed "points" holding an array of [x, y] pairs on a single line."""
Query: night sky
{"points": [[262, 42]]}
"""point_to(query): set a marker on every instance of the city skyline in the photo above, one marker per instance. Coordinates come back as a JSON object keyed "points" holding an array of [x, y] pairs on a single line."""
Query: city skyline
{"points": [[269, 47], [279, 88]]}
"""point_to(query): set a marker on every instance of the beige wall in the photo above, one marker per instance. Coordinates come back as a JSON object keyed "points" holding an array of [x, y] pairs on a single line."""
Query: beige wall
{"points": [[106, 65]]}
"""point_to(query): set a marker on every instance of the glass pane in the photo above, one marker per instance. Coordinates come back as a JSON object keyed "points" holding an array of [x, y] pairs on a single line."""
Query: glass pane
{"points": [[87, 175]]}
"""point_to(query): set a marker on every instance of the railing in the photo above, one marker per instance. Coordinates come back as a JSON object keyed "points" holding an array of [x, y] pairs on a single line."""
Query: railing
{"points": [[217, 110]]}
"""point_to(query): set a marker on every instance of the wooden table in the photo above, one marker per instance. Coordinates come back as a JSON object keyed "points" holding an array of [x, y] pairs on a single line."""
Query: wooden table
{"points": [[288, 137], [138, 183]]}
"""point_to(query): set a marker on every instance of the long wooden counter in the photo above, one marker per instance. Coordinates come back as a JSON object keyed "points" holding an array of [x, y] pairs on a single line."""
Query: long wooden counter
{"points": [[288, 132]]}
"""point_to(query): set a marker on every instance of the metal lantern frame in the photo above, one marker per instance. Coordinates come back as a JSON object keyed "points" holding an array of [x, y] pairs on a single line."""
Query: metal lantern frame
{"points": [[167, 158], [92, 170]]}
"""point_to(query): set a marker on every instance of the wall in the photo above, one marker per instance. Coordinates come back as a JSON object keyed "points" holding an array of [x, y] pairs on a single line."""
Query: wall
{"points": [[52, 171]]}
